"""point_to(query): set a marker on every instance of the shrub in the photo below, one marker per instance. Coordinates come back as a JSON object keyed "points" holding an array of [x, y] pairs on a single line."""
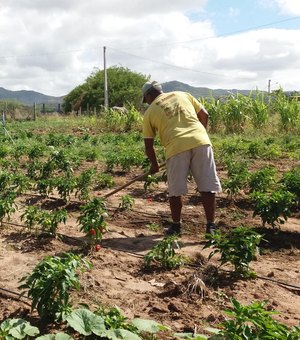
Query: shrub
{"points": [[50, 283], [238, 247]]}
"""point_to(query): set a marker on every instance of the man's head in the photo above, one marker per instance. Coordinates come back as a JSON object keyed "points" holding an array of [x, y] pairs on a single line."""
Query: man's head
{"points": [[150, 90]]}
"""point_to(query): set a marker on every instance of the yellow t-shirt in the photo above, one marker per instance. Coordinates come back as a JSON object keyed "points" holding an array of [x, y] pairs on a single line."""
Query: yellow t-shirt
{"points": [[173, 116]]}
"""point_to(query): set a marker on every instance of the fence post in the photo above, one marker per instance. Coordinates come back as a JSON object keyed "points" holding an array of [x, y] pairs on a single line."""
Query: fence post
{"points": [[34, 111]]}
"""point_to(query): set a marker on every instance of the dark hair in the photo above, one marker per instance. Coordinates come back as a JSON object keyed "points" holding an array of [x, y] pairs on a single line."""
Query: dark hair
{"points": [[153, 92]]}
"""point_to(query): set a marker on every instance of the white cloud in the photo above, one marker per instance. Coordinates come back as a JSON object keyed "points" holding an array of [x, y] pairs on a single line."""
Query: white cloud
{"points": [[289, 6], [53, 46]]}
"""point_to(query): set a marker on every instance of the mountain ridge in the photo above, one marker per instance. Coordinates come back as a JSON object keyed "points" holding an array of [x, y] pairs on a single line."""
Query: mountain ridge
{"points": [[29, 97]]}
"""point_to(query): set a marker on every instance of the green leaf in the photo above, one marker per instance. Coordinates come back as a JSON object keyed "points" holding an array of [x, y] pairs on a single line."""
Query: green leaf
{"points": [[149, 326], [21, 328], [191, 336], [86, 322], [58, 336], [116, 334]]}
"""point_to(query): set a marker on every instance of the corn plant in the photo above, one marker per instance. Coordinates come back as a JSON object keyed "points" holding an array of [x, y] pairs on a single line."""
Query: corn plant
{"points": [[258, 111], [133, 119], [215, 110], [164, 254], [237, 247], [274, 207], [50, 283], [92, 220], [288, 109], [235, 115], [254, 321]]}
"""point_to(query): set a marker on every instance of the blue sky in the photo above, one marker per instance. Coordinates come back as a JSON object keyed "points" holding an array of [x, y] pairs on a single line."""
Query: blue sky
{"points": [[207, 43], [234, 15]]}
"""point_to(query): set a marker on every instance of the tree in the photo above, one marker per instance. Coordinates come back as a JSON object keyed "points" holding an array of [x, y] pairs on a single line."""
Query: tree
{"points": [[124, 87]]}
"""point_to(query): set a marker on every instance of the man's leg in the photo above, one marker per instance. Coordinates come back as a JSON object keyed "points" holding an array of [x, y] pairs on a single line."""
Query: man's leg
{"points": [[209, 205], [205, 174], [176, 207]]}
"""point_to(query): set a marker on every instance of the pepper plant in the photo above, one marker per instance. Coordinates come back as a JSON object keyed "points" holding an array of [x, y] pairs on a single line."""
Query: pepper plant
{"points": [[254, 321], [47, 220], [164, 254], [7, 204], [126, 203], [92, 220], [50, 283], [261, 180], [83, 184], [237, 247], [274, 208], [291, 181]]}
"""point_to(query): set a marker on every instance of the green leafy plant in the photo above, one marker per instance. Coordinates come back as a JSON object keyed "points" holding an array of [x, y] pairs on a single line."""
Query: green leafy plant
{"points": [[150, 180], [291, 181], [50, 283], [112, 325], [237, 247], [11, 329], [104, 181], [65, 186], [262, 179], [84, 181], [164, 254], [237, 172], [45, 186], [92, 220], [49, 220], [7, 204], [57, 336], [255, 322], [127, 202], [235, 115], [258, 110], [273, 208], [153, 226], [114, 319]]}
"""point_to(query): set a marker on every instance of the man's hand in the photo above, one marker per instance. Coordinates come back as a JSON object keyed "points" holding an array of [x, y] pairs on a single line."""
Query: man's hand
{"points": [[150, 153]]}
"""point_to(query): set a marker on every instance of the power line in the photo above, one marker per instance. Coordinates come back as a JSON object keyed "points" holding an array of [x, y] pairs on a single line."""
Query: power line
{"points": [[160, 44], [253, 28]]}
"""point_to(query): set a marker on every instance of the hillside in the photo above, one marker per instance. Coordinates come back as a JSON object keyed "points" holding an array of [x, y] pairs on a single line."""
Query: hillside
{"points": [[198, 92], [29, 97]]}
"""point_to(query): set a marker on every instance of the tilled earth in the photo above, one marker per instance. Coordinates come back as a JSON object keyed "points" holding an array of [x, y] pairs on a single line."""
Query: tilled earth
{"points": [[177, 298]]}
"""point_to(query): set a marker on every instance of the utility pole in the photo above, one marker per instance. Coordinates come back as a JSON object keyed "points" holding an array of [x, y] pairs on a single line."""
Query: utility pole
{"points": [[269, 86], [105, 79]]}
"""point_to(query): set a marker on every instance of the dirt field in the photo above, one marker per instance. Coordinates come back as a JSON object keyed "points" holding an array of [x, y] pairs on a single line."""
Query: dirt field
{"points": [[119, 278]]}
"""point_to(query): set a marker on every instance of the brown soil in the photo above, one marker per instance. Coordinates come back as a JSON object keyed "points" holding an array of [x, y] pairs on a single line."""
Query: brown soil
{"points": [[171, 297]]}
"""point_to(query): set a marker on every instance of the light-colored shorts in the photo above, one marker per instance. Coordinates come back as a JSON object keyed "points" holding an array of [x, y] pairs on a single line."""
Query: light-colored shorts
{"points": [[200, 161]]}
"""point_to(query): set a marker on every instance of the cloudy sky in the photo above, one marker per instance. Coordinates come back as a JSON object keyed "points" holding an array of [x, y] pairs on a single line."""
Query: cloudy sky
{"points": [[51, 46]]}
